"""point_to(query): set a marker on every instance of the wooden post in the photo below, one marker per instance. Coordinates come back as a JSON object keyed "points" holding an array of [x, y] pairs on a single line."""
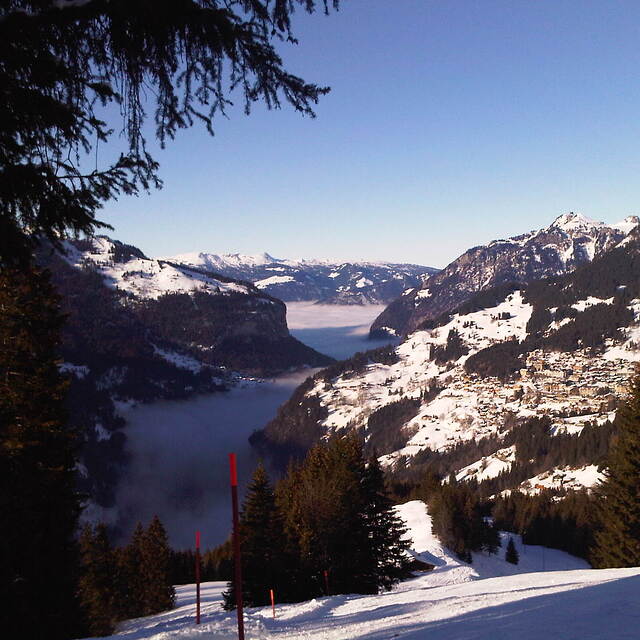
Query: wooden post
{"points": [[273, 603], [236, 543], [197, 577]]}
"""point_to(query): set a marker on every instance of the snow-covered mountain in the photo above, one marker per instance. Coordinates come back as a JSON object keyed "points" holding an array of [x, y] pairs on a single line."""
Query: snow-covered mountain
{"points": [[569, 241], [139, 330], [551, 359], [323, 280], [208, 316], [549, 594]]}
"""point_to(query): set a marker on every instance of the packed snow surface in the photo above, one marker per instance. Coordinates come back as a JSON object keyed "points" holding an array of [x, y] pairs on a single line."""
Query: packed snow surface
{"points": [[548, 595]]}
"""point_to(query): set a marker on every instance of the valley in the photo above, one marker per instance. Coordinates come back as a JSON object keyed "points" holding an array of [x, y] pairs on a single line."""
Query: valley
{"points": [[177, 450]]}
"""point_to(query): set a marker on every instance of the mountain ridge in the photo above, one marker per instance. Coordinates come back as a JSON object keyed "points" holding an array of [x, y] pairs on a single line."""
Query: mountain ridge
{"points": [[560, 350], [569, 241], [321, 280]]}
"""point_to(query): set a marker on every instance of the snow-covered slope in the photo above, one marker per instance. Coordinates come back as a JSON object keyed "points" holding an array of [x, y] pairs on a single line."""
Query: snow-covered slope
{"points": [[548, 594], [127, 269], [323, 280], [569, 241], [562, 350], [564, 478], [195, 313]]}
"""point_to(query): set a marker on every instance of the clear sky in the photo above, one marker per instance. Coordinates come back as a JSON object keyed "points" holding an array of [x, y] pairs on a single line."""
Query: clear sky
{"points": [[450, 123]]}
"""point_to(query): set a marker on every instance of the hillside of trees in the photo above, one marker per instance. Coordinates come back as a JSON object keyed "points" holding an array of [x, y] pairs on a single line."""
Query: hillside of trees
{"points": [[297, 424]]}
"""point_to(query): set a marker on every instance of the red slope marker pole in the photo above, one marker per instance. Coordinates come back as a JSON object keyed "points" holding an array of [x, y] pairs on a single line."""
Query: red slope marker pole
{"points": [[197, 577], [273, 603], [236, 543], [325, 573]]}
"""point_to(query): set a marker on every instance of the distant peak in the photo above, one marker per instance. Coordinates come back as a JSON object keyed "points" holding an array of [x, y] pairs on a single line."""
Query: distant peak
{"points": [[627, 225], [572, 221]]}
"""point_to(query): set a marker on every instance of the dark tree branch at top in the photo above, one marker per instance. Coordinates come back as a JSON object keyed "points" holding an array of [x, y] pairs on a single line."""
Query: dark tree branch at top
{"points": [[63, 62]]}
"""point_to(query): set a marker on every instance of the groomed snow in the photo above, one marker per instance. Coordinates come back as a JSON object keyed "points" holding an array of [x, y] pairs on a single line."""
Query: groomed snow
{"points": [[547, 595]]}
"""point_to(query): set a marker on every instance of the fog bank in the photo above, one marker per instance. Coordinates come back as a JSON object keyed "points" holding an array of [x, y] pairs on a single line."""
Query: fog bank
{"points": [[179, 450]]}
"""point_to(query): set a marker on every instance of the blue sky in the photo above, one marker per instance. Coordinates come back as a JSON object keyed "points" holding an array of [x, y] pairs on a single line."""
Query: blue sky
{"points": [[450, 123]]}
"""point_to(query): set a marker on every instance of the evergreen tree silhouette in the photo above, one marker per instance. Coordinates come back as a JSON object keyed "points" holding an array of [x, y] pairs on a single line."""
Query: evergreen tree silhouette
{"points": [[388, 546], [88, 56], [264, 559], [337, 513], [155, 556], [512, 554], [39, 506], [617, 543], [130, 582], [97, 584]]}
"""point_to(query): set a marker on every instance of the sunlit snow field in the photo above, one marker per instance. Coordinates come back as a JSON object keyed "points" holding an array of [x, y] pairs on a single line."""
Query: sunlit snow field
{"points": [[549, 595]]}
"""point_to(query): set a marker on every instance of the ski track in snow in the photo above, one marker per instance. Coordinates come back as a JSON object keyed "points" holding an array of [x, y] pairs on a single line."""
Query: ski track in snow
{"points": [[549, 595]]}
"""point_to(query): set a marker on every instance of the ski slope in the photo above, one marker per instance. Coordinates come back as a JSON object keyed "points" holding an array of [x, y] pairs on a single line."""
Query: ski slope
{"points": [[549, 595]]}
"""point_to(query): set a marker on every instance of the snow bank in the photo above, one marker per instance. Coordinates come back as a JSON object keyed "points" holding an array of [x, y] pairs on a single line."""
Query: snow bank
{"points": [[452, 602]]}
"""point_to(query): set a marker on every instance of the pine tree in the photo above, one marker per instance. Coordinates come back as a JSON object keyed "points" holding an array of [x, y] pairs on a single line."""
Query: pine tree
{"points": [[130, 586], [337, 513], [155, 556], [263, 542], [39, 506], [182, 66], [457, 519], [617, 543], [386, 531], [512, 554], [333, 533], [97, 584], [217, 563]]}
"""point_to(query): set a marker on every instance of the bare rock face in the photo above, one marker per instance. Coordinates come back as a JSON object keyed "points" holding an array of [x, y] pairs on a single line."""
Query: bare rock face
{"points": [[570, 241]]}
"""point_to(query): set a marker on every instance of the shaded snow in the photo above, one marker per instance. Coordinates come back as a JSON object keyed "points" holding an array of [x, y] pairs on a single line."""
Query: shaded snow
{"points": [[179, 360], [78, 370]]}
